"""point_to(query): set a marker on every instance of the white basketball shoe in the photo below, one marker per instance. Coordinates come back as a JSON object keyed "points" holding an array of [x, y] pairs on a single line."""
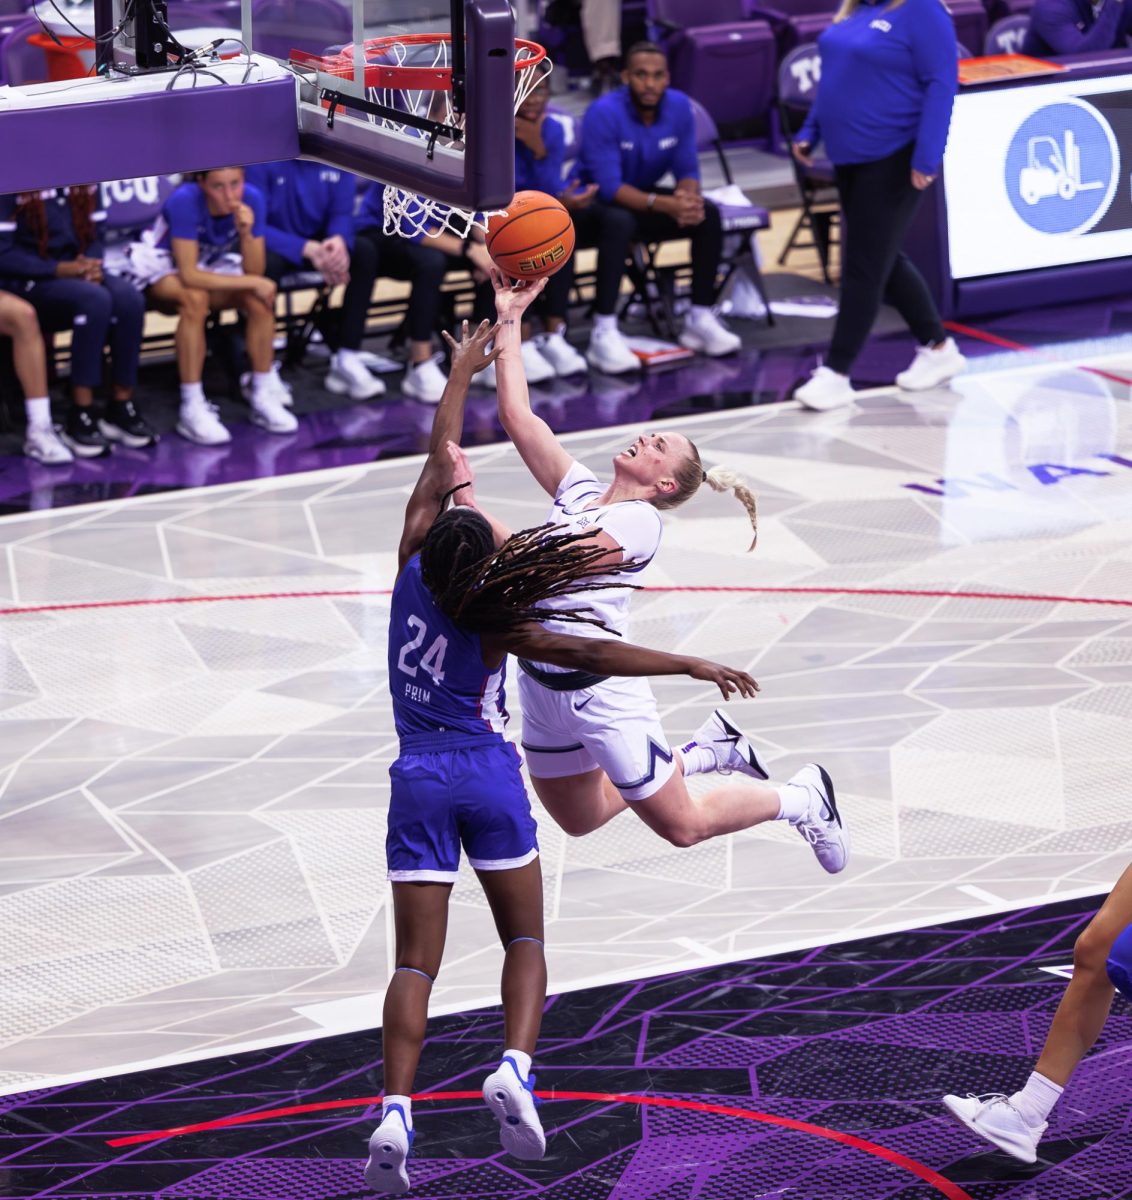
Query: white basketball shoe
{"points": [[512, 1102], [732, 748], [996, 1120], [821, 824]]}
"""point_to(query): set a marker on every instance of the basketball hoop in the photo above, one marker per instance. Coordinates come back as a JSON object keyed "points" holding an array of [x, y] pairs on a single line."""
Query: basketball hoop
{"points": [[409, 78]]}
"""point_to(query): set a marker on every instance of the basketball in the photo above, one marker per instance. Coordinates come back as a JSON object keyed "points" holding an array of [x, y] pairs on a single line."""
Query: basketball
{"points": [[533, 238]]}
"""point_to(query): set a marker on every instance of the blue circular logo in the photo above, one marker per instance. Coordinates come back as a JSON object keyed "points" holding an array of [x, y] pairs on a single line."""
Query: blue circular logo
{"points": [[1062, 167]]}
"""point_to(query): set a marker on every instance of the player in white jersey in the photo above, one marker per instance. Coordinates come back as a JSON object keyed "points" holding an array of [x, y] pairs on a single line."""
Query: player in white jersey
{"points": [[595, 745]]}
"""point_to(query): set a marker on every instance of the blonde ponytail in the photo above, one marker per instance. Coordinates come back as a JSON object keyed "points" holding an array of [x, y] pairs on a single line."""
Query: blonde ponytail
{"points": [[722, 479]]}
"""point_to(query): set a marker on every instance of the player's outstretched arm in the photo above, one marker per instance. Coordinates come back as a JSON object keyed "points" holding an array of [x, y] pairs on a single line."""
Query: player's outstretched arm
{"points": [[468, 357], [545, 458], [602, 656]]}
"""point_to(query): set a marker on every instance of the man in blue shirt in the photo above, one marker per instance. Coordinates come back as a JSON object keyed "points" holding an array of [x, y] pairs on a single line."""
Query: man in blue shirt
{"points": [[633, 138], [310, 227], [1075, 27]]}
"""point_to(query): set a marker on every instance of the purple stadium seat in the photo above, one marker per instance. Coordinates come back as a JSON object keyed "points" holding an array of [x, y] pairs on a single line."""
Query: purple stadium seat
{"points": [[998, 9], [718, 54], [795, 22], [134, 204], [197, 14], [798, 77], [970, 20], [19, 61], [13, 8], [571, 126], [1005, 35], [280, 26]]}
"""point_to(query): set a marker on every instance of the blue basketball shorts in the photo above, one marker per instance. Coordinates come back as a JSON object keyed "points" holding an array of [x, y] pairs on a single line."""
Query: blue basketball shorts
{"points": [[1120, 964], [450, 792]]}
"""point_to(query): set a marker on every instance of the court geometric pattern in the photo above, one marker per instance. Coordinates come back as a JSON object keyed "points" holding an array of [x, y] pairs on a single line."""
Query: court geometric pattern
{"points": [[862, 1038], [193, 795]]}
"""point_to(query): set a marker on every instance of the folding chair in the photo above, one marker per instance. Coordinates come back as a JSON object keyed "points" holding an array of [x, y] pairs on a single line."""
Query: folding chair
{"points": [[798, 77]]}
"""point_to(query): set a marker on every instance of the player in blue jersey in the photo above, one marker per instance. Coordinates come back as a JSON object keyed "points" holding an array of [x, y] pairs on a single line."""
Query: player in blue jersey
{"points": [[595, 745], [466, 594], [1102, 965], [310, 227], [207, 252]]}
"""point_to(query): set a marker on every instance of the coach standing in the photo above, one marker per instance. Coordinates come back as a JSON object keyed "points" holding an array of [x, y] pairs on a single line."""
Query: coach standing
{"points": [[882, 109]]}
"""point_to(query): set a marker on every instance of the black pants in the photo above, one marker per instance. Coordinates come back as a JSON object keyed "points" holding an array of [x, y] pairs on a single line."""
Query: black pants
{"points": [[610, 228], [707, 244], [419, 263], [351, 317], [111, 312], [878, 203]]}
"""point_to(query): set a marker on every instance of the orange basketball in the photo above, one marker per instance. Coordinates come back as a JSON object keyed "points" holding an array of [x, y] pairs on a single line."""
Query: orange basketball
{"points": [[533, 238]]}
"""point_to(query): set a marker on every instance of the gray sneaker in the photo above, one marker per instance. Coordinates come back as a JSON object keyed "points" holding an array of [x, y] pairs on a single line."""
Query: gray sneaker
{"points": [[821, 824], [731, 747]]}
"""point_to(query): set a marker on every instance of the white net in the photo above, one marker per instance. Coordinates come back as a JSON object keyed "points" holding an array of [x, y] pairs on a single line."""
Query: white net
{"points": [[410, 214]]}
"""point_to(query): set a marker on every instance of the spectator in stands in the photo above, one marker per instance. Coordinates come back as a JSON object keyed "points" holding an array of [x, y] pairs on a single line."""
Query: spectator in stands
{"points": [[423, 259], [631, 139], [310, 227], [51, 254], [19, 322], [540, 160], [882, 109], [1076, 27], [207, 252]]}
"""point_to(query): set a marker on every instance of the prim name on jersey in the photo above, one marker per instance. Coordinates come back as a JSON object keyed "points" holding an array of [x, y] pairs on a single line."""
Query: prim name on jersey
{"points": [[418, 695]]}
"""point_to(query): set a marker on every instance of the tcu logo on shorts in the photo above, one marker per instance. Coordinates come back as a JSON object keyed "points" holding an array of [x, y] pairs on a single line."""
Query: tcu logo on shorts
{"points": [[547, 258]]}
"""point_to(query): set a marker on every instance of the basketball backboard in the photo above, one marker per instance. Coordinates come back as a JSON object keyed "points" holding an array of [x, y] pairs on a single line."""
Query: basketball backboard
{"points": [[184, 85]]}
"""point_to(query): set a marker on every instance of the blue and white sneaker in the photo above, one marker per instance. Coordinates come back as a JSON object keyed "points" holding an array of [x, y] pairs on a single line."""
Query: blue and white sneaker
{"points": [[511, 1099], [389, 1149]]}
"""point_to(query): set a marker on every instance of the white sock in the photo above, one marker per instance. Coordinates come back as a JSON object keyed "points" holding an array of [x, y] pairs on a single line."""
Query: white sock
{"points": [[700, 312], [1036, 1100], [605, 323], [698, 759], [262, 381], [344, 357], [793, 802], [406, 1106], [38, 410], [192, 395], [522, 1061]]}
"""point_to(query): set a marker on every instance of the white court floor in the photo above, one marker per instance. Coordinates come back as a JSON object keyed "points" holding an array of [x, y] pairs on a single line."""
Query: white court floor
{"points": [[193, 794]]}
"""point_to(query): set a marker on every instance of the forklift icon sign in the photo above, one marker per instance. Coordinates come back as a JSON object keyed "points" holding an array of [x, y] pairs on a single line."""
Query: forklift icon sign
{"points": [[1049, 171], [1062, 167]]}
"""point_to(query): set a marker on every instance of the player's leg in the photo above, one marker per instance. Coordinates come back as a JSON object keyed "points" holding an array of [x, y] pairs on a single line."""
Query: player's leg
{"points": [[18, 321], [120, 421], [515, 897], [420, 918], [1016, 1123], [422, 851], [615, 726], [501, 840], [266, 393]]}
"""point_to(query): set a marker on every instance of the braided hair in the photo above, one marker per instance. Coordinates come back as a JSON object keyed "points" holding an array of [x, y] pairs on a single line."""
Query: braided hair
{"points": [[486, 590], [31, 210], [690, 476]]}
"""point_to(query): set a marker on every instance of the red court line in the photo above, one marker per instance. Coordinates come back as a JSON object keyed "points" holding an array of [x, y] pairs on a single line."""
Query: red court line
{"points": [[993, 339], [727, 589], [942, 1185]]}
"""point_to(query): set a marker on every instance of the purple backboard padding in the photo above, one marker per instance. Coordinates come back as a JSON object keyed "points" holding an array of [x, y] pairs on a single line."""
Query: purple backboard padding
{"points": [[151, 134], [488, 179]]}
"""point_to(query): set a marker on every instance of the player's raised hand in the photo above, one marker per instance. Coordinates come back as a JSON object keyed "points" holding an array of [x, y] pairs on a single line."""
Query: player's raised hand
{"points": [[470, 352], [513, 299], [727, 679]]}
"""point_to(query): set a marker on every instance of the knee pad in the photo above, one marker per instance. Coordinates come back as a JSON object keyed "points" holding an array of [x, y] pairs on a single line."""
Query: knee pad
{"points": [[1120, 964]]}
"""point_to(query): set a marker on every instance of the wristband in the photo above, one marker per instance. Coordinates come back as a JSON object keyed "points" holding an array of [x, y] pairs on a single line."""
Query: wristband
{"points": [[651, 200]]}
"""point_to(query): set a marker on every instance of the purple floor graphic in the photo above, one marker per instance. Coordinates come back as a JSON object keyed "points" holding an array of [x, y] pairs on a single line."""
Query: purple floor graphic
{"points": [[766, 1064]]}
